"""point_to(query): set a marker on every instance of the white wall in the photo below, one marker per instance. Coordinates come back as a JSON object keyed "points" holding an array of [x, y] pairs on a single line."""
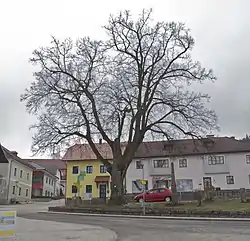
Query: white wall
{"points": [[23, 184], [58, 183], [48, 186], [197, 168]]}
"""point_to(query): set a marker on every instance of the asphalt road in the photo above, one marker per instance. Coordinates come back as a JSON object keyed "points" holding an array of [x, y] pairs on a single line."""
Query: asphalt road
{"points": [[158, 230]]}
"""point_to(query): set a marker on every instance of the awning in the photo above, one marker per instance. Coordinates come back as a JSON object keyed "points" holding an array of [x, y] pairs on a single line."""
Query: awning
{"points": [[102, 178]]}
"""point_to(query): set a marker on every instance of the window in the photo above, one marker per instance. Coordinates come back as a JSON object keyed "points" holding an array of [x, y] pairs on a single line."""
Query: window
{"points": [[28, 176], [14, 190], [161, 163], [103, 169], [248, 159], [161, 190], [75, 170], [230, 179], [2, 181], [27, 192], [88, 188], [139, 164], [89, 169], [74, 189], [52, 182], [215, 160], [249, 179], [15, 170], [46, 193], [182, 163], [20, 191], [47, 179], [154, 191], [21, 173]]}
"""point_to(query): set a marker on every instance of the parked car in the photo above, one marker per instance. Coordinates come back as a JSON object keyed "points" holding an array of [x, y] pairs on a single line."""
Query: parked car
{"points": [[155, 195]]}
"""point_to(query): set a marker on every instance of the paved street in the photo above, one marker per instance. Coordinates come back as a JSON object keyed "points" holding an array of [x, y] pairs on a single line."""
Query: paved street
{"points": [[146, 230], [37, 230], [167, 230]]}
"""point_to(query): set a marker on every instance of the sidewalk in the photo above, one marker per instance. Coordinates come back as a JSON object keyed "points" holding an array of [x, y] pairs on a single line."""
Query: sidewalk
{"points": [[36, 230]]}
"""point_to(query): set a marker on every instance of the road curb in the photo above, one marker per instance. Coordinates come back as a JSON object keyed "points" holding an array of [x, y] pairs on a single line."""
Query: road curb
{"points": [[152, 217]]}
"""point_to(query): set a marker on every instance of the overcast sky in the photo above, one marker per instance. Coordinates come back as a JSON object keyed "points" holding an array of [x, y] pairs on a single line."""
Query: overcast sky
{"points": [[221, 29]]}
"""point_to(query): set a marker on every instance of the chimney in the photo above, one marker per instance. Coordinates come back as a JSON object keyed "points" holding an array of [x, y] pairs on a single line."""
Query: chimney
{"points": [[14, 153], [100, 141]]}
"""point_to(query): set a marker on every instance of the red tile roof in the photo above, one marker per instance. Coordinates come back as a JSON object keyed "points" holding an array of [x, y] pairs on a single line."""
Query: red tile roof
{"points": [[181, 147]]}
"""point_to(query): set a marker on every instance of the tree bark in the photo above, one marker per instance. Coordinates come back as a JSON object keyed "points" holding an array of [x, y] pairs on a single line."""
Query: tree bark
{"points": [[117, 186]]}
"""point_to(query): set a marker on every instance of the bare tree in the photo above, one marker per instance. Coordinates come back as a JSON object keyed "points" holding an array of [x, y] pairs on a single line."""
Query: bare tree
{"points": [[138, 82]]}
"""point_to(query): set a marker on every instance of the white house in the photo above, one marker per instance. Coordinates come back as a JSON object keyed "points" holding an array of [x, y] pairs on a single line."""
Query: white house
{"points": [[222, 161], [44, 182], [58, 168], [15, 177]]}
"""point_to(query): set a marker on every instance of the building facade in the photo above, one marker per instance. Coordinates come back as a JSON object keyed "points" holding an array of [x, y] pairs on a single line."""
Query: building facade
{"points": [[220, 162], [225, 166], [94, 179], [58, 168], [44, 183], [15, 178]]}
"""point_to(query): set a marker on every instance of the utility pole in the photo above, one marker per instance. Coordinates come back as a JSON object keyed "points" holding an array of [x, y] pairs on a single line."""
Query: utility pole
{"points": [[144, 191]]}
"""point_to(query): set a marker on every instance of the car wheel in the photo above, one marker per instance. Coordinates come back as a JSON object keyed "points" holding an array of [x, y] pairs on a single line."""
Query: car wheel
{"points": [[167, 199]]}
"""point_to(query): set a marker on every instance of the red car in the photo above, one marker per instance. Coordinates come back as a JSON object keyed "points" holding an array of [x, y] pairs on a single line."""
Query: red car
{"points": [[155, 195]]}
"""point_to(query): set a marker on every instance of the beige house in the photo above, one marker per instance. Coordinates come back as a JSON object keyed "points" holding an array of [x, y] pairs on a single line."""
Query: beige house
{"points": [[15, 177]]}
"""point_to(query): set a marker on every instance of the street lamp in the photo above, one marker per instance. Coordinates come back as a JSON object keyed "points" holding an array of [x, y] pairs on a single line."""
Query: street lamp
{"points": [[144, 189]]}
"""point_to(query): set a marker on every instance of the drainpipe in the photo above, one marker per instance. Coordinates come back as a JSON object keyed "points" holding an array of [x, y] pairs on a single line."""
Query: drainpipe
{"points": [[9, 178]]}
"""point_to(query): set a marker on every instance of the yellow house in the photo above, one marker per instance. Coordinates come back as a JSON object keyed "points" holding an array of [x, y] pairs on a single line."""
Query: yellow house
{"points": [[93, 178]]}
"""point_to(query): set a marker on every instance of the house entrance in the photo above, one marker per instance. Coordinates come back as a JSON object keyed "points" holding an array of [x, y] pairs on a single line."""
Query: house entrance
{"points": [[103, 190]]}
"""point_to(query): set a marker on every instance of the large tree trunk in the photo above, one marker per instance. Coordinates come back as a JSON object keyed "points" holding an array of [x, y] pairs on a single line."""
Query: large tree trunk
{"points": [[117, 186]]}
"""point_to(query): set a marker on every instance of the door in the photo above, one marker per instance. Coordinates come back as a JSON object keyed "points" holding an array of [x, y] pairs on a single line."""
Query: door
{"points": [[152, 195], [102, 190], [207, 183]]}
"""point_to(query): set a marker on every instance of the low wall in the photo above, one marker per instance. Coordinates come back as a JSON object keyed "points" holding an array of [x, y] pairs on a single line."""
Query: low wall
{"points": [[152, 212]]}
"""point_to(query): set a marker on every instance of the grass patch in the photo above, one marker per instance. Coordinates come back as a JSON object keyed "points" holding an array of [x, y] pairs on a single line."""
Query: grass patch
{"points": [[220, 205], [217, 205]]}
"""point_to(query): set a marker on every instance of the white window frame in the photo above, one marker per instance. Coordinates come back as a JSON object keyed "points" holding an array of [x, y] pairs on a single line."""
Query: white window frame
{"points": [[73, 169], [182, 161], [91, 188], [159, 160], [248, 159], [140, 166], [228, 180], [212, 160], [90, 168], [21, 172]]}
